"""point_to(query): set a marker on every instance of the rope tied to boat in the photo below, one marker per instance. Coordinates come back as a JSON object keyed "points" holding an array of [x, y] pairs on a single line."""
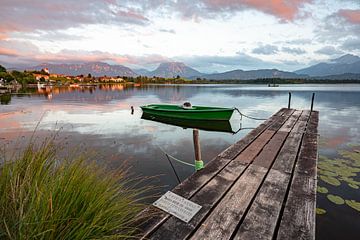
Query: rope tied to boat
{"points": [[253, 118], [174, 158]]}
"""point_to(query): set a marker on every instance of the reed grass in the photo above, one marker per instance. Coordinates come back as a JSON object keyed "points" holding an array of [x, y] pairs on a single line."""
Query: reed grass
{"points": [[42, 197]]}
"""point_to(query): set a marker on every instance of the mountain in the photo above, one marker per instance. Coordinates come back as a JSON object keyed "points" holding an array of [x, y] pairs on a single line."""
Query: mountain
{"points": [[252, 74], [173, 69], [142, 71], [344, 76], [345, 64], [96, 69]]}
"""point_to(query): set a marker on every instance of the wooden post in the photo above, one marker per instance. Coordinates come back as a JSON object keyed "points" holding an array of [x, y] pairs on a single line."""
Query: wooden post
{"points": [[312, 102], [289, 100], [199, 164]]}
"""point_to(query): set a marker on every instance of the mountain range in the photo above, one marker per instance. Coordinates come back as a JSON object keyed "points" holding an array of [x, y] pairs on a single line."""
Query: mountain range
{"points": [[344, 67]]}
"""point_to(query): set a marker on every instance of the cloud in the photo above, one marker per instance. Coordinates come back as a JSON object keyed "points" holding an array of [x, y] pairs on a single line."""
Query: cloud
{"points": [[8, 52], [329, 50], [284, 9], [352, 16], [266, 49], [27, 16], [168, 31], [31, 55], [210, 63], [351, 44], [293, 50]]}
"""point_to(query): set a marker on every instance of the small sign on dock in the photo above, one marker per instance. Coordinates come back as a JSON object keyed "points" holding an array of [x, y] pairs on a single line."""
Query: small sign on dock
{"points": [[177, 206]]}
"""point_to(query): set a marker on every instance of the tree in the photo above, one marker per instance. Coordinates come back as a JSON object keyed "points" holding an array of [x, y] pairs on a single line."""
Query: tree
{"points": [[89, 75], [2, 69]]}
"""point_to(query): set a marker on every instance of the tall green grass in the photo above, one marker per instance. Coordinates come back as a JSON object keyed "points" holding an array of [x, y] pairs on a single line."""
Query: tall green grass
{"points": [[44, 198]]}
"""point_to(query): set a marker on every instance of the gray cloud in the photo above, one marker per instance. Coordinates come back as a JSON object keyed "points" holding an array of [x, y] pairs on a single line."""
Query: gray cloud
{"points": [[266, 49], [210, 64], [168, 31], [328, 50], [351, 44], [293, 50], [27, 16]]}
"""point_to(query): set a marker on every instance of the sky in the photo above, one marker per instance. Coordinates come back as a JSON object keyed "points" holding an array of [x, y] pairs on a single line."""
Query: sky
{"points": [[208, 35]]}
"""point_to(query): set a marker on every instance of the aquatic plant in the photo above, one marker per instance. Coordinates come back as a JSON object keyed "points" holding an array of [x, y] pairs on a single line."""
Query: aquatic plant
{"points": [[340, 171], [320, 211], [42, 197]]}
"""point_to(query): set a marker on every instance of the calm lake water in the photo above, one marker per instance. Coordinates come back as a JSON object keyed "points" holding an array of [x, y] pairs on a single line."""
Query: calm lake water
{"points": [[98, 121]]}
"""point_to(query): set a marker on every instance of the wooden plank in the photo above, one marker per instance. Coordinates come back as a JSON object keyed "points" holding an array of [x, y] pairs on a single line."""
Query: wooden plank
{"points": [[223, 220], [302, 122], [248, 155], [283, 118], [261, 220], [298, 219], [313, 123], [269, 152], [235, 149], [207, 197], [289, 124], [197, 180]]}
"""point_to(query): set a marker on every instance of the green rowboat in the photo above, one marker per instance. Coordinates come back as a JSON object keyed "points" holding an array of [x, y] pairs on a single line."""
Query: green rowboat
{"points": [[194, 113], [218, 126]]}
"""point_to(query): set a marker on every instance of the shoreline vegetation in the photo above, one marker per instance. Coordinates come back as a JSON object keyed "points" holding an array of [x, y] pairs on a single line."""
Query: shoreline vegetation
{"points": [[47, 197], [13, 81]]}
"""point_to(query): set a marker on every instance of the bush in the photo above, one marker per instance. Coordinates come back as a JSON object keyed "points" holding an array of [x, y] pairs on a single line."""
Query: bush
{"points": [[43, 198]]}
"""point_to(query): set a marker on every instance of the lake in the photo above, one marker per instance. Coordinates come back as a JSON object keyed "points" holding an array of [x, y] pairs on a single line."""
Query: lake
{"points": [[99, 122]]}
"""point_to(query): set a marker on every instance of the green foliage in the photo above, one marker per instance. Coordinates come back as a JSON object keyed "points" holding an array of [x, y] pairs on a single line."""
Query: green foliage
{"points": [[320, 211], [23, 77], [336, 199], [6, 76], [322, 189], [44, 198], [2, 69]]}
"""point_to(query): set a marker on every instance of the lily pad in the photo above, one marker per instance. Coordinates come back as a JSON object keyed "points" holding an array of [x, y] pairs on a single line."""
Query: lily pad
{"points": [[353, 186], [320, 211], [354, 204], [330, 180], [322, 189], [328, 173], [335, 199]]}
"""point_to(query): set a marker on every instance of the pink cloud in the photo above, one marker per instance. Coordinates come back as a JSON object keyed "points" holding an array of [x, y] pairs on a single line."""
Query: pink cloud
{"points": [[352, 16], [8, 52], [286, 10]]}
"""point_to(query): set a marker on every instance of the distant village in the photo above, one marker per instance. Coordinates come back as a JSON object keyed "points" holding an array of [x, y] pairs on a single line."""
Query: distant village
{"points": [[11, 81]]}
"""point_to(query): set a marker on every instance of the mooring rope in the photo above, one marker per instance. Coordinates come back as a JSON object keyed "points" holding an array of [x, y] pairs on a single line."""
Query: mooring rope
{"points": [[174, 158], [254, 118]]}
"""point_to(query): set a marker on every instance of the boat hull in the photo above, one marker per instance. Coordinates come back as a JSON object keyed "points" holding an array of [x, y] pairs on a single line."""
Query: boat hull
{"points": [[217, 126], [195, 113]]}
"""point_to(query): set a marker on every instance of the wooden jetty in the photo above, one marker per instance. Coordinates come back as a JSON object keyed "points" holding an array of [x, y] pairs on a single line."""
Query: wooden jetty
{"points": [[262, 187]]}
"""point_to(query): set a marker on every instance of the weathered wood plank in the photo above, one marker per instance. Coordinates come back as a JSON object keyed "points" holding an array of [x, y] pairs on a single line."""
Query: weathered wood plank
{"points": [[207, 197], [313, 123], [269, 152], [235, 149], [248, 155], [298, 220], [261, 220], [302, 122], [289, 124], [192, 184], [283, 118], [223, 220]]}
